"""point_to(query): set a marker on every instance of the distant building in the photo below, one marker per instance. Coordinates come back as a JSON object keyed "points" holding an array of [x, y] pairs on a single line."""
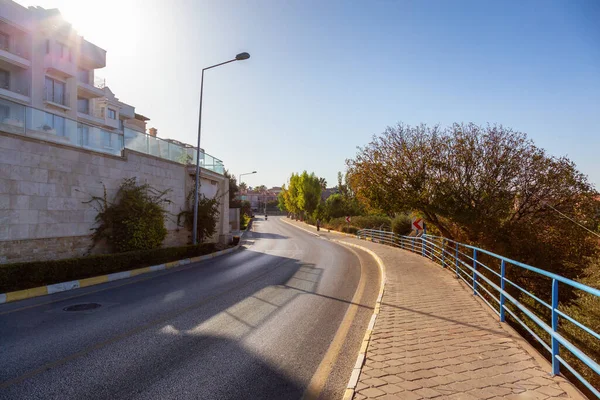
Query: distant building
{"points": [[328, 192], [258, 199]]}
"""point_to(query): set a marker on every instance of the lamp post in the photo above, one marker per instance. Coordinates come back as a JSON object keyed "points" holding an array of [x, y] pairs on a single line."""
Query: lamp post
{"points": [[247, 173], [239, 57]]}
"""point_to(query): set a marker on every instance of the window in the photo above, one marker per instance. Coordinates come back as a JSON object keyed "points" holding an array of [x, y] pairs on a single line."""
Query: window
{"points": [[83, 105], [121, 125], [112, 114], [83, 75], [4, 41], [4, 79], [47, 46], [64, 51], [55, 91], [55, 123]]}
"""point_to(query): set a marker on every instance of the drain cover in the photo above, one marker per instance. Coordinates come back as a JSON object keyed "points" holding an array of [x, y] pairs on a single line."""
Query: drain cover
{"points": [[82, 307]]}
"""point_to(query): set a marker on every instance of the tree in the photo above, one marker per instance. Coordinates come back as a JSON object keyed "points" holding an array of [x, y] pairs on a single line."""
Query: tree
{"points": [[243, 186], [233, 190], [261, 188], [323, 183], [485, 185], [303, 194]]}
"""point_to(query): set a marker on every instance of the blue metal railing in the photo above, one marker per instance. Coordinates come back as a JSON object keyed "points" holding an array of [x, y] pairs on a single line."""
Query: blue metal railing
{"points": [[468, 265]]}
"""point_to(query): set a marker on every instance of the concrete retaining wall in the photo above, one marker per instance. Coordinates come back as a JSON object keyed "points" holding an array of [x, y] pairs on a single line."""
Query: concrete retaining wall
{"points": [[43, 187]]}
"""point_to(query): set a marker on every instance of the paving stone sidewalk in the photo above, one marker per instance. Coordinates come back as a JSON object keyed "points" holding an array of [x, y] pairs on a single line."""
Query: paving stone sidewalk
{"points": [[434, 339]]}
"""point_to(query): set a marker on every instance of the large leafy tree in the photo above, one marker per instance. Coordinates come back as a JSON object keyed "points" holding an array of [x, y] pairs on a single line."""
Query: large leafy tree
{"points": [[487, 185], [302, 195]]}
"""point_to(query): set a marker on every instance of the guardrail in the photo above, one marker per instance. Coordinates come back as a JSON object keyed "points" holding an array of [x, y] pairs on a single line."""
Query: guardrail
{"points": [[468, 265]]}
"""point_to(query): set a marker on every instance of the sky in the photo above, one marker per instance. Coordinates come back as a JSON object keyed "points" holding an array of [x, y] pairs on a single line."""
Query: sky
{"points": [[325, 76]]}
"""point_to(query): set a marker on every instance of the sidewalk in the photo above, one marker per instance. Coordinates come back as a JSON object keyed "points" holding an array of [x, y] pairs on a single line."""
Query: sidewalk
{"points": [[434, 339]]}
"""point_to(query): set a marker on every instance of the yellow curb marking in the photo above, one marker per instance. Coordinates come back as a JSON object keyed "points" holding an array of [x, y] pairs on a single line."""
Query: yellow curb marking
{"points": [[27, 293], [93, 281], [139, 271]]}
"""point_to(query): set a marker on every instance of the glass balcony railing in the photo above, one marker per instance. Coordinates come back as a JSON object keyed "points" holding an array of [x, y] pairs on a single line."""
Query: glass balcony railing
{"points": [[28, 121], [177, 152]]}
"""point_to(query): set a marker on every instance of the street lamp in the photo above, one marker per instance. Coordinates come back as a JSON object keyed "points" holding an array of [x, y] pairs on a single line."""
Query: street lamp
{"points": [[239, 57], [247, 173]]}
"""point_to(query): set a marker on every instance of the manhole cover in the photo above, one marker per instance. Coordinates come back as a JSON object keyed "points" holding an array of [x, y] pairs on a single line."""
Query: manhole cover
{"points": [[82, 307]]}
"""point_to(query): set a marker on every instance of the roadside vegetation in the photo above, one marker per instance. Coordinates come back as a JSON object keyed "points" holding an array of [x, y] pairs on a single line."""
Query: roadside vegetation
{"points": [[19, 276], [487, 186]]}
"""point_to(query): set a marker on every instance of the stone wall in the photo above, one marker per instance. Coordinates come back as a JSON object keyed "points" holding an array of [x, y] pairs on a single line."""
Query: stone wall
{"points": [[43, 187]]}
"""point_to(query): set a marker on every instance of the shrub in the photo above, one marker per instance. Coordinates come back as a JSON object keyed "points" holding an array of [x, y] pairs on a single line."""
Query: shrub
{"points": [[401, 224], [208, 214], [350, 229], [135, 221], [20, 276], [244, 221]]}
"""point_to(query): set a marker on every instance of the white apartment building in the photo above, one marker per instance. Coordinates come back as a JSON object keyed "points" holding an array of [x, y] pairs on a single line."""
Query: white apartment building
{"points": [[47, 67]]}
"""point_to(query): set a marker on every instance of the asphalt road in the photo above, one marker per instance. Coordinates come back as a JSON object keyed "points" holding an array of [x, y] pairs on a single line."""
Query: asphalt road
{"points": [[254, 324]]}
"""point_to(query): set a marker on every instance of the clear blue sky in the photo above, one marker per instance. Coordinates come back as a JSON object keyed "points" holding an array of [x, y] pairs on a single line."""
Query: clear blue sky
{"points": [[326, 75]]}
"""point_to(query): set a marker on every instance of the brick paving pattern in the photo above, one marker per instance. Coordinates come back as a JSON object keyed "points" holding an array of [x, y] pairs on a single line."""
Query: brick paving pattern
{"points": [[433, 339]]}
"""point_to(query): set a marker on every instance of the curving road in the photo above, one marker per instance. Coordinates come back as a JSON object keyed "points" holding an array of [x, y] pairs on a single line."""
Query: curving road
{"points": [[265, 322]]}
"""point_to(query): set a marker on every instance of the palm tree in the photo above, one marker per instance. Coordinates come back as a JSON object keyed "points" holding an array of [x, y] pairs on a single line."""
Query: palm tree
{"points": [[323, 183]]}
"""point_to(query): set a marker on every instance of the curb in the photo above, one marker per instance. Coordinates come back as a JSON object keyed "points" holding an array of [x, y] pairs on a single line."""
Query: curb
{"points": [[362, 353], [360, 359], [96, 280]]}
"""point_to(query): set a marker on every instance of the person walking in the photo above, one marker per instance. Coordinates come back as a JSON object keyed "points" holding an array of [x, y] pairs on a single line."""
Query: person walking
{"points": [[318, 225]]}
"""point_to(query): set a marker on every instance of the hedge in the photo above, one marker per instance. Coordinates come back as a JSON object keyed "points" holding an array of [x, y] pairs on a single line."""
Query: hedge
{"points": [[19, 276]]}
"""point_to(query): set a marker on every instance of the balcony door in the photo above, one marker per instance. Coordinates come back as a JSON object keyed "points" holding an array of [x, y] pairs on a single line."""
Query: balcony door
{"points": [[55, 91]]}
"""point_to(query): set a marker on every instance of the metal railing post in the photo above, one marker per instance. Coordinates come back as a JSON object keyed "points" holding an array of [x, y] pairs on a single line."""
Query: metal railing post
{"points": [[502, 298], [422, 246], [413, 244], [555, 345], [456, 259], [443, 255], [474, 272]]}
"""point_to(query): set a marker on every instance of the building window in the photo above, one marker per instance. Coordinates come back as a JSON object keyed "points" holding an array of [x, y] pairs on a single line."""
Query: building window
{"points": [[47, 46], [83, 75], [64, 51], [4, 79], [55, 91], [83, 105], [55, 123], [122, 125], [4, 41], [112, 114]]}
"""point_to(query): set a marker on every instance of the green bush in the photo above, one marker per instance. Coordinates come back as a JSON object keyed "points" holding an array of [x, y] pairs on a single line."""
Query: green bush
{"points": [[20, 276], [360, 222], [135, 221], [244, 221], [350, 229], [401, 224]]}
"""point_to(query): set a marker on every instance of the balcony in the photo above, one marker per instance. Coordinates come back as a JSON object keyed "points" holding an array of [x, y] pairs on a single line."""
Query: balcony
{"points": [[90, 90], [23, 120], [15, 57], [60, 65], [92, 56], [56, 99], [15, 92], [90, 115]]}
